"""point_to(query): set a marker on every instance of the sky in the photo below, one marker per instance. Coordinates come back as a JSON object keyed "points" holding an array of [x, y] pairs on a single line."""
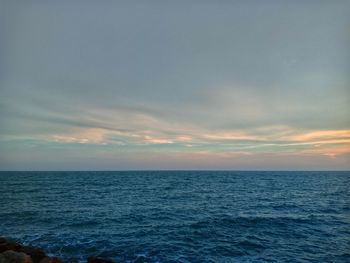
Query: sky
{"points": [[119, 85]]}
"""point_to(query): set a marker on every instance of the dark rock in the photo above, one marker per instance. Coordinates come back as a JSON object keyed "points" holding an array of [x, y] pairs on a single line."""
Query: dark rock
{"points": [[36, 254], [99, 260], [14, 257], [8, 245], [12, 252], [50, 260]]}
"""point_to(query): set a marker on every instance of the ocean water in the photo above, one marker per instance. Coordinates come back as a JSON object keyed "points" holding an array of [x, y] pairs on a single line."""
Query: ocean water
{"points": [[180, 216]]}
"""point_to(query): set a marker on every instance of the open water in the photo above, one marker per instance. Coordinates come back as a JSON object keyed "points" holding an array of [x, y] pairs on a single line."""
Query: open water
{"points": [[180, 216]]}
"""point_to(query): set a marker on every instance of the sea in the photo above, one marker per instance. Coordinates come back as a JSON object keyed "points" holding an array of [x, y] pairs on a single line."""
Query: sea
{"points": [[180, 216]]}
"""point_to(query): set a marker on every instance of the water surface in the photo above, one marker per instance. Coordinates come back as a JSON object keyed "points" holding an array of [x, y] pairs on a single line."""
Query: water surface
{"points": [[180, 216]]}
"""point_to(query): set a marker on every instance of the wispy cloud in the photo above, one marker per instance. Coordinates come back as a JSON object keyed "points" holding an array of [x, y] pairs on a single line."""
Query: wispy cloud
{"points": [[86, 136], [186, 83], [153, 140], [138, 133]]}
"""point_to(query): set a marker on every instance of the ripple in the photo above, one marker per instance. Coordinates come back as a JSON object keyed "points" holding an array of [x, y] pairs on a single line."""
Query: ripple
{"points": [[180, 216]]}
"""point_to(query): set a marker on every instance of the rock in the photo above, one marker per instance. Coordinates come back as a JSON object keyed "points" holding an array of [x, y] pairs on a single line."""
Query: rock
{"points": [[99, 260], [14, 257], [12, 252], [8, 245], [50, 260], [36, 254]]}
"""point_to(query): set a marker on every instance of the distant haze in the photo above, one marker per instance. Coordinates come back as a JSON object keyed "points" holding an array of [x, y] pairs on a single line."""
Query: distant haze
{"points": [[113, 85]]}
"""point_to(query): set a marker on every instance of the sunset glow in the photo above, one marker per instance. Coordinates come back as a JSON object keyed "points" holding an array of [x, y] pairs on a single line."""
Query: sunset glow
{"points": [[177, 86]]}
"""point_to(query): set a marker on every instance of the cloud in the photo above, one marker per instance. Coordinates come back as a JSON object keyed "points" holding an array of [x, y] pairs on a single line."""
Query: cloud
{"points": [[322, 135], [149, 139], [180, 82], [87, 136]]}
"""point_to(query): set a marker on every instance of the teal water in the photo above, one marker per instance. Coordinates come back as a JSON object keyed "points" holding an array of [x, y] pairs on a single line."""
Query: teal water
{"points": [[180, 216]]}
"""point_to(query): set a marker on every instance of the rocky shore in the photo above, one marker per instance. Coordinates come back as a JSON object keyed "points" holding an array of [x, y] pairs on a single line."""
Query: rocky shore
{"points": [[13, 252]]}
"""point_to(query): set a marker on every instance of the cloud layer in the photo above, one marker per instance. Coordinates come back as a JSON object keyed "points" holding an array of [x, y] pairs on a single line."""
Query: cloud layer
{"points": [[174, 85]]}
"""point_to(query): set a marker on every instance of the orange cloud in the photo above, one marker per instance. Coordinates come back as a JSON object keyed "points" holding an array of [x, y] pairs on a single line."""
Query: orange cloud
{"points": [[86, 136], [321, 135], [328, 151], [230, 136], [184, 138], [149, 139]]}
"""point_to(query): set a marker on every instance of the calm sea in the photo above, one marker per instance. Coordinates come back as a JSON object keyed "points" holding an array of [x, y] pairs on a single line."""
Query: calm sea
{"points": [[180, 216]]}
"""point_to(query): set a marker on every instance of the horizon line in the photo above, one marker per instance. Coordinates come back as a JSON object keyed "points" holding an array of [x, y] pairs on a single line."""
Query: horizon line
{"points": [[179, 170]]}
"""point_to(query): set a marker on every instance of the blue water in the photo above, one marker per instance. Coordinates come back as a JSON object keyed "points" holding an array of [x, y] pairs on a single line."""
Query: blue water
{"points": [[180, 216]]}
